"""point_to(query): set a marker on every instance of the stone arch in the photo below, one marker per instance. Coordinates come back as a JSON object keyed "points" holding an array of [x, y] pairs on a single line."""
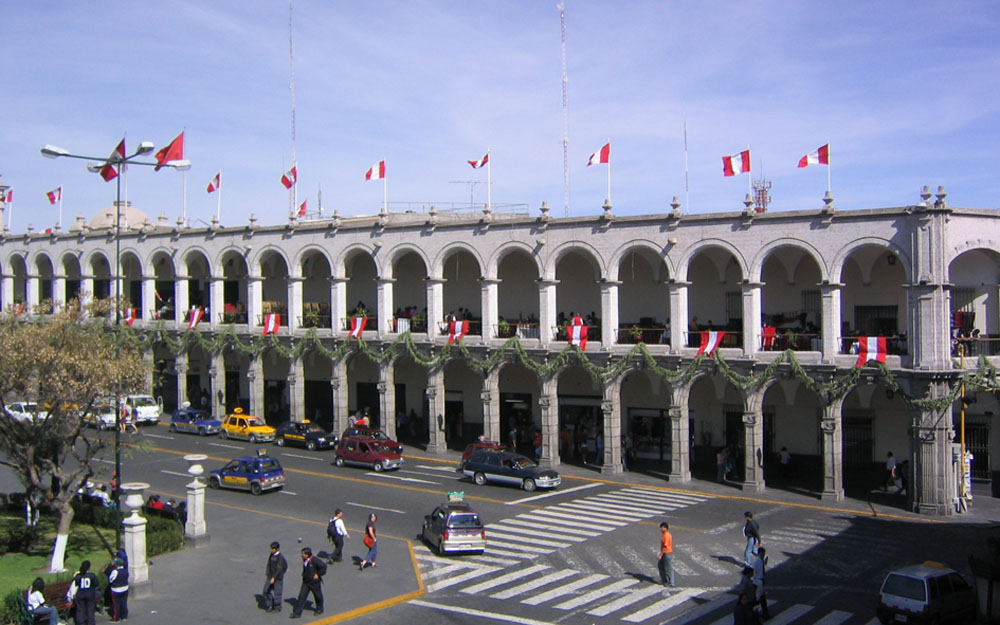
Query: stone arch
{"points": [[437, 268], [845, 252], [651, 247], [387, 268], [765, 252], [585, 250], [704, 246], [308, 251], [347, 254], [505, 249]]}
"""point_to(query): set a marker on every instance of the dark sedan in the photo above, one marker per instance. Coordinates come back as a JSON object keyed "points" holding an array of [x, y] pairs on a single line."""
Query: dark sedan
{"points": [[506, 467], [304, 434]]}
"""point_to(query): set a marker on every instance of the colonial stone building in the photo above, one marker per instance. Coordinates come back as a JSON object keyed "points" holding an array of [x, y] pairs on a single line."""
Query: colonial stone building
{"points": [[792, 291]]}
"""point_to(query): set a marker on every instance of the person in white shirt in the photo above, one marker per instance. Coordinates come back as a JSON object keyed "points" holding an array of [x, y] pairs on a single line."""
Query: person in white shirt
{"points": [[337, 532], [36, 603]]}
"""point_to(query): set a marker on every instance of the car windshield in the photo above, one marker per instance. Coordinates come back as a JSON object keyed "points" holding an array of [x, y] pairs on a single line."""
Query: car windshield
{"points": [[254, 422], [377, 446], [144, 402], [522, 462], [313, 427], [903, 586], [270, 465], [464, 520]]}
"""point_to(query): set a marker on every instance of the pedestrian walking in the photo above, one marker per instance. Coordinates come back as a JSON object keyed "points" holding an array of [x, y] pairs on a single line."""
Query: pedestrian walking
{"points": [[274, 585], [82, 594], [336, 531], [312, 582], [665, 563], [890, 471], [752, 533], [118, 583], [371, 541], [758, 581], [36, 603], [743, 613], [784, 462], [721, 458]]}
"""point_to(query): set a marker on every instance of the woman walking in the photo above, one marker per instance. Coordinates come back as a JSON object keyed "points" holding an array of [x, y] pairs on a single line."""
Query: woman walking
{"points": [[371, 541]]}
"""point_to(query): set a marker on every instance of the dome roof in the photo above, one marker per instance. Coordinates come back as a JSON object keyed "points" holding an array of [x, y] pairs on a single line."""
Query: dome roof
{"points": [[131, 217]]}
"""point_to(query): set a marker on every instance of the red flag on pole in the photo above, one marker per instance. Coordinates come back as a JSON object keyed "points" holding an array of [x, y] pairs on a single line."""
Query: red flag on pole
{"points": [[173, 152], [215, 184], [601, 156], [195, 317], [54, 195], [357, 326], [576, 334], [377, 171], [480, 162], [291, 177], [129, 316], [736, 164], [819, 157], [9, 197], [109, 172], [302, 208]]}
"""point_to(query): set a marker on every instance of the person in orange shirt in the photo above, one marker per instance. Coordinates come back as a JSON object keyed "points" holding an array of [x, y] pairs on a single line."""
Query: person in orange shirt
{"points": [[666, 560]]}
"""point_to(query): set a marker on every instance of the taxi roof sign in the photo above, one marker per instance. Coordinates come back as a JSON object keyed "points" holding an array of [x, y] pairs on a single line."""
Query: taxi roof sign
{"points": [[456, 496], [261, 452]]}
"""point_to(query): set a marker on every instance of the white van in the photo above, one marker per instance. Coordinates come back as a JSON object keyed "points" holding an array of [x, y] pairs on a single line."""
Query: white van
{"points": [[148, 409]]}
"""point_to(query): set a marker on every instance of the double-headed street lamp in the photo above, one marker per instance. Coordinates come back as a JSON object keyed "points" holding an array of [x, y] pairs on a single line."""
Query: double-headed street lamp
{"points": [[118, 162]]}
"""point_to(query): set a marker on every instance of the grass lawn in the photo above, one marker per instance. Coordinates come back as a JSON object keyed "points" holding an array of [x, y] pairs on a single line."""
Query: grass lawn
{"points": [[18, 570]]}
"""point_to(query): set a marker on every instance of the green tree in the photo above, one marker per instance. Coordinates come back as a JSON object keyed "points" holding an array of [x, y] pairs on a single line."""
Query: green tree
{"points": [[67, 362]]}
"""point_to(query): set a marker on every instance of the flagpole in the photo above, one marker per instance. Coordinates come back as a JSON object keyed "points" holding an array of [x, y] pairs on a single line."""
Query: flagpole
{"points": [[59, 223], [184, 190], [489, 181], [749, 174], [829, 166], [687, 188], [385, 193], [609, 172], [218, 206]]}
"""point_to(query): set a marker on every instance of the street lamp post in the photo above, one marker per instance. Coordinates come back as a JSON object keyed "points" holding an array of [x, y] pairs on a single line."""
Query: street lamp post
{"points": [[118, 161]]}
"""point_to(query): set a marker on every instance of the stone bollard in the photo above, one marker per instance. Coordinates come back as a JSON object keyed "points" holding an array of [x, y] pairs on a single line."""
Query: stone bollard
{"points": [[195, 529], [135, 541]]}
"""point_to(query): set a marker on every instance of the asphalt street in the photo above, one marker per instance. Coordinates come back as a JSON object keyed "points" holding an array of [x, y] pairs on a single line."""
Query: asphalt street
{"points": [[583, 554]]}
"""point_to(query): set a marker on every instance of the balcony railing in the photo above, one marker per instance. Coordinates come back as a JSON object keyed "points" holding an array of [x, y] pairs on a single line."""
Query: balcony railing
{"points": [[975, 346], [796, 341], [894, 345], [475, 327], [408, 324], [520, 330], [649, 336], [165, 313]]}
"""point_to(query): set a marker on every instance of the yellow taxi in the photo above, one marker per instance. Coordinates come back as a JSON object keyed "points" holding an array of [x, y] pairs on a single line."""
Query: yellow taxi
{"points": [[246, 427]]}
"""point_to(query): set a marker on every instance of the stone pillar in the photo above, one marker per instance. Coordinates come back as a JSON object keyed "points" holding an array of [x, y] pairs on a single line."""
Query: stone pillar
{"points": [[181, 300], [296, 390], [436, 443], [678, 315], [830, 293], [611, 463], [933, 481], [217, 374], [255, 305], [753, 446], [490, 396], [216, 298], [928, 309], [751, 318], [255, 380], [31, 290], [195, 527], [383, 302], [680, 443], [295, 306], [547, 312], [435, 313], [338, 303], [609, 317], [341, 396], [59, 289], [7, 290], [135, 541], [147, 307], [387, 396], [148, 367], [548, 403], [832, 429], [181, 367], [491, 315]]}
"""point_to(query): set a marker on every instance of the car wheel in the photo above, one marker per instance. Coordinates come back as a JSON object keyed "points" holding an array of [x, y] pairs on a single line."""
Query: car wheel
{"points": [[479, 479], [440, 547], [280, 441], [256, 489], [223, 434], [202, 432], [253, 439], [214, 482], [311, 445], [378, 467], [528, 485], [339, 461], [173, 428]]}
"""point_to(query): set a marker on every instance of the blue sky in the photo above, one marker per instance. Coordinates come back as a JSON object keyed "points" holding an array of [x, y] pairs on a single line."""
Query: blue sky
{"points": [[905, 92]]}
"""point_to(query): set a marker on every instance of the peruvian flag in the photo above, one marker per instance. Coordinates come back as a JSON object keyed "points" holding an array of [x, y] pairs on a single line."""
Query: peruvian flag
{"points": [[376, 172], [710, 340], [576, 334], [271, 323], [601, 156], [456, 330], [109, 172], [129, 316], [871, 348], [215, 184], [736, 164], [480, 162], [291, 177], [173, 152], [8, 197], [357, 326], [819, 157], [54, 195], [194, 317], [302, 208]]}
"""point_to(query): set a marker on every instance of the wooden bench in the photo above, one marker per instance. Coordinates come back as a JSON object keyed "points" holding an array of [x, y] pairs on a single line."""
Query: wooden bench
{"points": [[178, 514], [55, 595]]}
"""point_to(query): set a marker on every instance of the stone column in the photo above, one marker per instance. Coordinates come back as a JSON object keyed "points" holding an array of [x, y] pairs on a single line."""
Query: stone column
{"points": [[547, 312], [195, 528], [31, 290], [933, 481], [338, 303], [435, 311], [387, 396], [491, 315], [753, 446], [296, 390], [751, 318], [147, 307], [678, 315], [59, 289], [612, 431], [436, 443], [255, 382], [7, 290], [135, 541], [680, 443], [295, 306], [383, 302], [217, 377], [609, 317], [832, 429], [548, 403], [181, 300], [341, 397], [255, 305], [148, 368], [830, 293], [216, 298], [181, 367], [490, 396]]}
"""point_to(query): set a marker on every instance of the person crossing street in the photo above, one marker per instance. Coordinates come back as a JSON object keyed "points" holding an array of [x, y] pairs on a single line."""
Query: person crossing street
{"points": [[665, 563], [275, 583], [751, 531]]}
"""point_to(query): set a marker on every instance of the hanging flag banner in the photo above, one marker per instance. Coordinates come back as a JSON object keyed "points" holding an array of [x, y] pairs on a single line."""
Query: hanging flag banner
{"points": [[871, 348], [272, 322], [129, 316], [194, 317], [710, 341], [576, 334], [357, 326], [456, 330]]}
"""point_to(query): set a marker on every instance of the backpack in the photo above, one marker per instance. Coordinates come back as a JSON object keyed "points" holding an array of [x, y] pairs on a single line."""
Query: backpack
{"points": [[331, 528], [320, 566]]}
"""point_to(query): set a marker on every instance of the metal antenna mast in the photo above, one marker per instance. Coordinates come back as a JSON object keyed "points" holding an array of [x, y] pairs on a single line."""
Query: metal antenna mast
{"points": [[293, 191], [565, 104], [472, 188]]}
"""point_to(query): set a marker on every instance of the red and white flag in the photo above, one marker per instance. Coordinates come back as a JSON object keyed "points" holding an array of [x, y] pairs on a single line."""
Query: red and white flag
{"points": [[357, 326], [819, 157], [291, 177], [871, 348], [272, 322], [601, 156], [215, 184], [377, 171], [736, 164], [8, 197], [54, 195], [302, 208], [109, 172], [195, 317], [710, 340], [576, 334], [456, 330], [480, 162], [129, 316], [173, 152]]}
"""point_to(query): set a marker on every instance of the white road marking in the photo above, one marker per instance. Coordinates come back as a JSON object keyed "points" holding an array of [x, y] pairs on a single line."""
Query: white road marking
{"points": [[371, 507], [651, 508], [834, 618], [739, 524], [602, 523], [661, 495], [421, 473], [458, 579], [387, 476], [594, 595], [516, 547], [704, 561], [534, 584], [303, 457], [438, 468], [442, 570], [177, 473], [225, 445], [503, 579], [552, 493], [694, 613], [502, 526], [169, 438], [287, 492], [600, 510], [495, 616], [554, 525], [104, 461], [728, 619], [565, 590], [634, 596], [790, 614], [534, 540]]}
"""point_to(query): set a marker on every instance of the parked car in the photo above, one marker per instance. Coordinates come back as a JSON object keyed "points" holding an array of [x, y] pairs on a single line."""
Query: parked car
{"points": [[367, 452], [375, 433], [253, 473], [304, 434], [102, 417], [505, 467], [476, 445], [194, 421], [25, 411], [926, 593], [144, 408], [454, 527], [246, 427]]}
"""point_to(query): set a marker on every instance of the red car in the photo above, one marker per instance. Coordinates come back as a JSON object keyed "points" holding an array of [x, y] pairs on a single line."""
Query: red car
{"points": [[476, 446]]}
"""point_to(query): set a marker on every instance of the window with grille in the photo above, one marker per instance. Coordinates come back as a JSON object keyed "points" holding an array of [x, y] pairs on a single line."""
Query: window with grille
{"points": [[734, 306], [812, 306]]}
